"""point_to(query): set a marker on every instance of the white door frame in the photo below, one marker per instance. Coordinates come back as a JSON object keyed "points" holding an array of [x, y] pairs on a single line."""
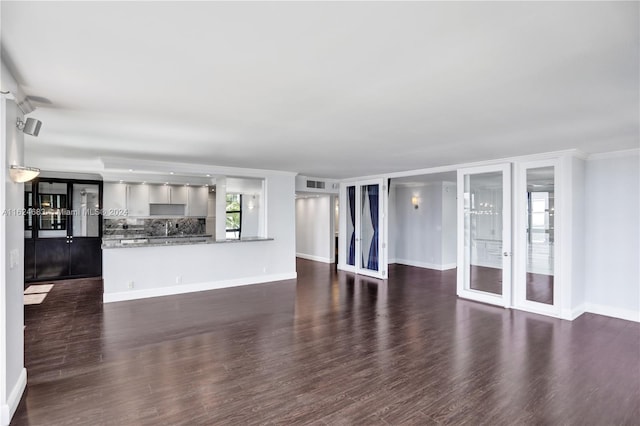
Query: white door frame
{"points": [[520, 240], [382, 271], [463, 286]]}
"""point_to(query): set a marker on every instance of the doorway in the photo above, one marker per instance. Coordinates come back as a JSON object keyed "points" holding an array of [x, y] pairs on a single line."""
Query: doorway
{"points": [[484, 234], [363, 244], [63, 229]]}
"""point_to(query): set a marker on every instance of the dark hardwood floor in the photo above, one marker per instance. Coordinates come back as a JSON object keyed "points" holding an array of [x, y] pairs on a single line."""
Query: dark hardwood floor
{"points": [[539, 286], [327, 348]]}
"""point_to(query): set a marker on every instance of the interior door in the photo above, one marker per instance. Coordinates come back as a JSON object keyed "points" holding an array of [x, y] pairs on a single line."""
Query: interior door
{"points": [[85, 253], [364, 241], [537, 286], [484, 234]]}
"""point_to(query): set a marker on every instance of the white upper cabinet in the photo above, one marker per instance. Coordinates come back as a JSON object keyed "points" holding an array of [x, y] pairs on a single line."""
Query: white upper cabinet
{"points": [[138, 200], [168, 194], [158, 194], [178, 194], [197, 201], [114, 197], [118, 197]]}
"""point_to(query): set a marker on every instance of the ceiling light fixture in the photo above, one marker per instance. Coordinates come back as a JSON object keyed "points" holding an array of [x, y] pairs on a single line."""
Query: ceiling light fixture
{"points": [[20, 174]]}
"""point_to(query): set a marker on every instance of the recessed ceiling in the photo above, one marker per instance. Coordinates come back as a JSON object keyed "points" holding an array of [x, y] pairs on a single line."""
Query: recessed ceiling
{"points": [[329, 89]]}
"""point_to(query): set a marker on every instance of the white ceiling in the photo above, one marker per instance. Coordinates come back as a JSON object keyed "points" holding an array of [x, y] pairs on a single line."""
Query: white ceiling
{"points": [[327, 89]]}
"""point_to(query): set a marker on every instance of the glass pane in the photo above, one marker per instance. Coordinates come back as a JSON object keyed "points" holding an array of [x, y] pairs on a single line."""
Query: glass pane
{"points": [[483, 231], [28, 207], [540, 234], [369, 225], [350, 249], [84, 211], [52, 209]]}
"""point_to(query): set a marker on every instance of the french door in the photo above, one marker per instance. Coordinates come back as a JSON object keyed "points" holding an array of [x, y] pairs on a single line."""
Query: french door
{"points": [[484, 234], [365, 228]]}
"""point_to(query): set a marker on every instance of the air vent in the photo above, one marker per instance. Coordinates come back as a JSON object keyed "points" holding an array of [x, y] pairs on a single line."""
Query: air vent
{"points": [[315, 184]]}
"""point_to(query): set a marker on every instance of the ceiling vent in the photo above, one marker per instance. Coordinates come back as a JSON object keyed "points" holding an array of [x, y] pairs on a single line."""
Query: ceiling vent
{"points": [[317, 184]]}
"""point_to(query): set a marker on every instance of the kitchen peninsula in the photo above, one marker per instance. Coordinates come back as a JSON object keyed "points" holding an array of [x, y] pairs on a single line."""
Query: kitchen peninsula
{"points": [[150, 255]]}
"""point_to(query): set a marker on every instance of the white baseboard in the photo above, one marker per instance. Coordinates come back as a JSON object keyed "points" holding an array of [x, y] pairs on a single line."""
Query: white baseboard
{"points": [[571, 314], [390, 261], [610, 311], [437, 267], [7, 410], [190, 288], [315, 258]]}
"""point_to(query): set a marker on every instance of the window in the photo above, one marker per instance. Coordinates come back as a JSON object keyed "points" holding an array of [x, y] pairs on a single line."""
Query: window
{"points": [[234, 216]]}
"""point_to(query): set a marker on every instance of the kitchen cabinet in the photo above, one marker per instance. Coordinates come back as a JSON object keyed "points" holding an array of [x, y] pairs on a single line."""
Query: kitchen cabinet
{"points": [[138, 200], [159, 194], [131, 197], [167, 194], [197, 201], [114, 197]]}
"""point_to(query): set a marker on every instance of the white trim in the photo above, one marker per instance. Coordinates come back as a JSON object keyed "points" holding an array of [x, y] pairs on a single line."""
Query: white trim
{"points": [[454, 167], [314, 258], [614, 312], [463, 288], [8, 410], [191, 288], [572, 314], [426, 265], [614, 154]]}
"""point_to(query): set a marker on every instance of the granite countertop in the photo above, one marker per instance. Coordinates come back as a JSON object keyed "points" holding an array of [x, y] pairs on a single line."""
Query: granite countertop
{"points": [[119, 241]]}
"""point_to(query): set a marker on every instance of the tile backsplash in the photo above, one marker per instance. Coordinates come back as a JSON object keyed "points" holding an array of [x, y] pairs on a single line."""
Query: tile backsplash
{"points": [[156, 227]]}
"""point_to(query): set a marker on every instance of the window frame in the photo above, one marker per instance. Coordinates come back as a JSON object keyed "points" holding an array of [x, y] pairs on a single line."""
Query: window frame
{"points": [[227, 212]]}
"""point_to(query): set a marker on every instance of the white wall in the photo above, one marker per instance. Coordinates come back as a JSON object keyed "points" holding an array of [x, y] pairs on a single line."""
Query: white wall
{"points": [[449, 223], [391, 224], [613, 234], [426, 236], [314, 228], [158, 271], [250, 215], [12, 372]]}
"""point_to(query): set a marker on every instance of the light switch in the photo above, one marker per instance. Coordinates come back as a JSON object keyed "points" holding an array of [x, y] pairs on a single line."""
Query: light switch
{"points": [[14, 256]]}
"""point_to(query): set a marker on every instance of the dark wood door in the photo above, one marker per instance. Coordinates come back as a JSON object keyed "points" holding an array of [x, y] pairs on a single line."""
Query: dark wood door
{"points": [[67, 205], [29, 259], [51, 258], [85, 257]]}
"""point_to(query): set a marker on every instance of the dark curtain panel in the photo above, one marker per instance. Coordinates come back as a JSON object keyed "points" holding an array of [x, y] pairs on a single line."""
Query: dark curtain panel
{"points": [[372, 263], [351, 195]]}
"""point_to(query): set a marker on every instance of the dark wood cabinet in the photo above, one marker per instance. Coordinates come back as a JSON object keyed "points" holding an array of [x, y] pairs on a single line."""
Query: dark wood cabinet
{"points": [[71, 248]]}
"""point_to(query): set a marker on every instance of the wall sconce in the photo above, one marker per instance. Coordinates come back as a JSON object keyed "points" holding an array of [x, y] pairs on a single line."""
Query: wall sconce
{"points": [[252, 204], [30, 126], [415, 201], [20, 174]]}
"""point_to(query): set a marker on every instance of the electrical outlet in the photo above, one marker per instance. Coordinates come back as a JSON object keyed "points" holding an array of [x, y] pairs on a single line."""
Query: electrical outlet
{"points": [[130, 285], [179, 279]]}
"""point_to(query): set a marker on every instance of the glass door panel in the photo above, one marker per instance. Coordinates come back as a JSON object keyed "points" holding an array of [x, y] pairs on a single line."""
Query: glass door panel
{"points": [[537, 288], [365, 225], [484, 234], [52, 209], [350, 248], [85, 208], [540, 234], [369, 227]]}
